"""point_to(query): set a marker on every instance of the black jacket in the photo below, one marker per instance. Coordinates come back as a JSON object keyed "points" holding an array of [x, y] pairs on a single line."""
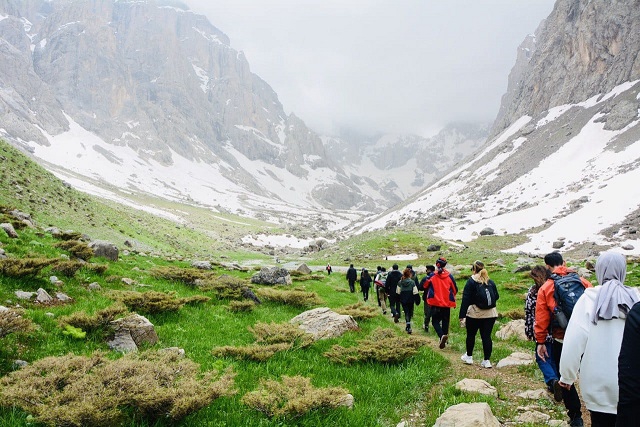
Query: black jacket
{"points": [[391, 284]]}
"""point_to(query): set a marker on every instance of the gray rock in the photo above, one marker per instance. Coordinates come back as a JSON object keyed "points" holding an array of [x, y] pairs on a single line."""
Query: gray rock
{"points": [[473, 385], [50, 314], [515, 328], [63, 297], [324, 323], [25, 218], [533, 417], [557, 244], [3, 254], [628, 247], [468, 415], [347, 401], [8, 228], [522, 269], [102, 248], [433, 248], [24, 295], [19, 364], [202, 265], [304, 269], [95, 286], [43, 297], [272, 276], [53, 279], [516, 359], [534, 394], [131, 332], [487, 231]]}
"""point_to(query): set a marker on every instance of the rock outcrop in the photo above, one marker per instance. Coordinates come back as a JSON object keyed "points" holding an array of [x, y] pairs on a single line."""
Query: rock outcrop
{"points": [[323, 323]]}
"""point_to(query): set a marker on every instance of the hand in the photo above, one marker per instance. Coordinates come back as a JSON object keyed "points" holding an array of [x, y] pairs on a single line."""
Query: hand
{"points": [[463, 322], [541, 349], [564, 385]]}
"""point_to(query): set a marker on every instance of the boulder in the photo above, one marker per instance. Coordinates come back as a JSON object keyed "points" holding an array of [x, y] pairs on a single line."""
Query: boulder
{"points": [[25, 218], [102, 248], [533, 417], [8, 228], [534, 394], [474, 385], [347, 401], [557, 244], [3, 254], [63, 297], [43, 297], [433, 248], [487, 231], [304, 269], [522, 269], [24, 295], [516, 359], [95, 286], [201, 265], [272, 276], [131, 332], [468, 415], [323, 323], [515, 328]]}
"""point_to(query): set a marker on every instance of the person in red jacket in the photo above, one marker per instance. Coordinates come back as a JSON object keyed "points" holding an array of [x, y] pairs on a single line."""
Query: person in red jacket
{"points": [[441, 290], [545, 306]]}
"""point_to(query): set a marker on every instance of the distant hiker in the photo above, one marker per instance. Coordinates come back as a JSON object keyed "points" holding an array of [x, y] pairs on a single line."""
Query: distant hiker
{"points": [[441, 292], [547, 313], [375, 288], [352, 276], [380, 280], [478, 312], [329, 269], [594, 336], [407, 292], [414, 276], [391, 287], [548, 367], [427, 308], [629, 371], [365, 283]]}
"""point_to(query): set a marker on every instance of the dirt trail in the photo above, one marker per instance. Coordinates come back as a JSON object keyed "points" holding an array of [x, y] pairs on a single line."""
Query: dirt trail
{"points": [[509, 381]]}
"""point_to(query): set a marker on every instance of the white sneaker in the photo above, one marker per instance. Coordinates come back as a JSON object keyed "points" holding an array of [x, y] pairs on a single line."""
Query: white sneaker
{"points": [[486, 364], [467, 359]]}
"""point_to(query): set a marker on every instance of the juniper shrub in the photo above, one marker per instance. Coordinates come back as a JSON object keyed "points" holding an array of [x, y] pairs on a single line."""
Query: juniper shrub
{"points": [[294, 297]]}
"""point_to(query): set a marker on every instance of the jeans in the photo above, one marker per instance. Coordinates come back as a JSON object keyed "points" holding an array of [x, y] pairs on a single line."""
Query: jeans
{"points": [[548, 367], [440, 319], [485, 326]]}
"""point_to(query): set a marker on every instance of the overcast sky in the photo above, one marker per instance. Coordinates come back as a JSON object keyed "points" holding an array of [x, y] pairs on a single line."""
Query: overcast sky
{"points": [[406, 66]]}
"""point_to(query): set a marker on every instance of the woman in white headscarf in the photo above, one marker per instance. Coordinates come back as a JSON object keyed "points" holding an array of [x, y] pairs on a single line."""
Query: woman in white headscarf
{"points": [[593, 337]]}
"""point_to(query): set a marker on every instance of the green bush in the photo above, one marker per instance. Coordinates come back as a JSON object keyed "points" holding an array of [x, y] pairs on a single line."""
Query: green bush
{"points": [[241, 306], [294, 297], [74, 332], [188, 276], [155, 302], [293, 396], [359, 311], [95, 391], [24, 267], [67, 268], [99, 322], [76, 248], [11, 321], [272, 333], [257, 352]]}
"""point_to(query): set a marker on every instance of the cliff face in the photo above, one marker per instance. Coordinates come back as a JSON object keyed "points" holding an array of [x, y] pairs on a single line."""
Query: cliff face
{"points": [[582, 49]]}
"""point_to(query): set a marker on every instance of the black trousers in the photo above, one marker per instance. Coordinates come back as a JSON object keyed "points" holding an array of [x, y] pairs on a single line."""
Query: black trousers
{"points": [[570, 397], [485, 326], [602, 419], [394, 304], [440, 317]]}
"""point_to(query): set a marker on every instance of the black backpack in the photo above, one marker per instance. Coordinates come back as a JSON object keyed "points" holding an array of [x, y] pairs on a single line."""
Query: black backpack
{"points": [[568, 289], [486, 295]]}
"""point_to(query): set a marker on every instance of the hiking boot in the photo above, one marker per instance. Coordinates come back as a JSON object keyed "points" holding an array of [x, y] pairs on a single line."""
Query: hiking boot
{"points": [[486, 364], [409, 331], [577, 422], [467, 359], [396, 318], [443, 340], [384, 311], [557, 392]]}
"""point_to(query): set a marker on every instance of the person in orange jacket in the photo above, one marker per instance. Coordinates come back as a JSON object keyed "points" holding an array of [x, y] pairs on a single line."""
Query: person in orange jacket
{"points": [[441, 290], [545, 306]]}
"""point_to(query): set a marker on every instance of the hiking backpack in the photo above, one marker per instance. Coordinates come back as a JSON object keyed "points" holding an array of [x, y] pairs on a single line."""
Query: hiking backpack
{"points": [[567, 290], [486, 295]]}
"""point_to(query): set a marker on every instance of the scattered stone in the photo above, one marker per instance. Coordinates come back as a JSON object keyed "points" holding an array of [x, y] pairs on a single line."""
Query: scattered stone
{"points": [[628, 247], [54, 231], [499, 262], [50, 314], [534, 394], [487, 231], [468, 415], [516, 359], [103, 248], [127, 281], [590, 266], [3, 254], [584, 272], [324, 323], [19, 364], [8, 228], [522, 269], [24, 295], [533, 417], [433, 248], [557, 244], [558, 423], [304, 269], [347, 401], [474, 385], [63, 297], [179, 351], [272, 276], [202, 265], [515, 328], [95, 286], [131, 332], [43, 297]]}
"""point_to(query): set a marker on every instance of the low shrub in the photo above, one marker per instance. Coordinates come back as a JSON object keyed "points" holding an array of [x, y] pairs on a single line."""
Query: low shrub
{"points": [[95, 391], [153, 302], [295, 297], [272, 333], [96, 268], [69, 235], [187, 276], [257, 352], [74, 332], [383, 346], [238, 306], [11, 321], [76, 248], [99, 322], [67, 268], [229, 287], [24, 267], [359, 311], [514, 314], [516, 287], [293, 396]]}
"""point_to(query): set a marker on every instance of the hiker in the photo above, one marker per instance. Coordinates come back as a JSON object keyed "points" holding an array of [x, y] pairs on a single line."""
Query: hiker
{"points": [[629, 371], [548, 313], [391, 285], [594, 336], [365, 283], [329, 269], [375, 288], [441, 292], [352, 276], [427, 308], [414, 276], [408, 295], [548, 367], [478, 312], [379, 282]]}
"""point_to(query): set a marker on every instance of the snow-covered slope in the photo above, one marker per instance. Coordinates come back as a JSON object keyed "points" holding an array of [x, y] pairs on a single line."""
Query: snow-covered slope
{"points": [[568, 176]]}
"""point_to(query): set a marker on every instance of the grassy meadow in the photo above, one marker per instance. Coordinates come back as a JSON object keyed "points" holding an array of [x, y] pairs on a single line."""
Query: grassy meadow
{"points": [[418, 388]]}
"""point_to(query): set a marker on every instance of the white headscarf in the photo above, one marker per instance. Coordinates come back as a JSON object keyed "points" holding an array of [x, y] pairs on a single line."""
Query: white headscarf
{"points": [[614, 299]]}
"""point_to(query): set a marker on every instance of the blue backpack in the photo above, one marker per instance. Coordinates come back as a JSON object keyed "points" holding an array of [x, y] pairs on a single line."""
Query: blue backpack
{"points": [[568, 289]]}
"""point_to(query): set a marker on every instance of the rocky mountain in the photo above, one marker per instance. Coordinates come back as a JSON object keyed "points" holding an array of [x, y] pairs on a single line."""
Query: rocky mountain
{"points": [[563, 165], [120, 97]]}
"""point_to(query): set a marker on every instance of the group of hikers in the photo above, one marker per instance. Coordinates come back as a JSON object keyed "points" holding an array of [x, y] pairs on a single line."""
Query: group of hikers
{"points": [[579, 330]]}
